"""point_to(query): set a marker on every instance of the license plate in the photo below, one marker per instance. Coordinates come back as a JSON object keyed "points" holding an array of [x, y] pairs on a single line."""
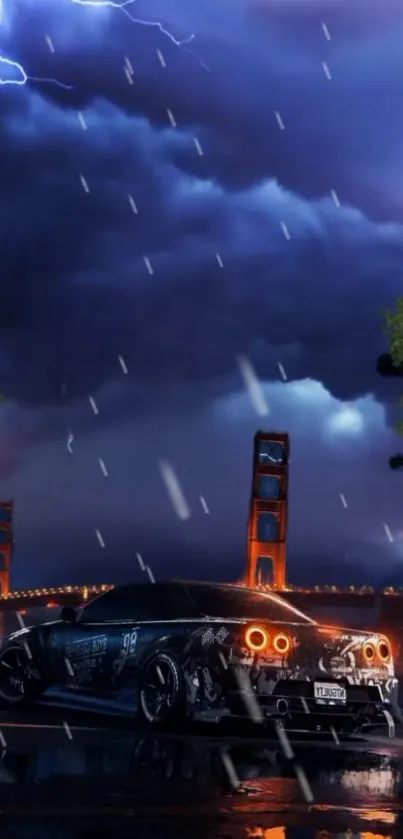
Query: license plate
{"points": [[326, 692]]}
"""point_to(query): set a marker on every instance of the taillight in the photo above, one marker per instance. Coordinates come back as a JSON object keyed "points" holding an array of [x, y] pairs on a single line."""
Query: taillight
{"points": [[256, 638], [281, 643], [369, 652], [384, 650]]}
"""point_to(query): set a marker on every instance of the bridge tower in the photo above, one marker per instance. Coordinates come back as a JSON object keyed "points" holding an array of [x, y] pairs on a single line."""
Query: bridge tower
{"points": [[267, 527], [6, 544]]}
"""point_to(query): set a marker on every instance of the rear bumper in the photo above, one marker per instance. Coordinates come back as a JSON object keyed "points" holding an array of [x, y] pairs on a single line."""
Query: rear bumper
{"points": [[367, 707]]}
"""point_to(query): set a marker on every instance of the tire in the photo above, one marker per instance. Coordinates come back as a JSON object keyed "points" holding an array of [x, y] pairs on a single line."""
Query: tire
{"points": [[161, 691], [20, 681]]}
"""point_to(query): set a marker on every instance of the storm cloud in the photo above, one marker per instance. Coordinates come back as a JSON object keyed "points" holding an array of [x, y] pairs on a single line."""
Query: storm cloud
{"points": [[182, 204]]}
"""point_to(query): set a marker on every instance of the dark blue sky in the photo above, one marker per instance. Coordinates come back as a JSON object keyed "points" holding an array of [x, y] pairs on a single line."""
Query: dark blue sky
{"points": [[272, 139]]}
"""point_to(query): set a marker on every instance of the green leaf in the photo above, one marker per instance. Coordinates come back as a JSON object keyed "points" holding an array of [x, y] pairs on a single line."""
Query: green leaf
{"points": [[393, 327]]}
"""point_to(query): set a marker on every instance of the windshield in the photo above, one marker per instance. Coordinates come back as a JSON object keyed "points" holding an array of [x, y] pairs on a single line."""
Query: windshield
{"points": [[227, 602]]}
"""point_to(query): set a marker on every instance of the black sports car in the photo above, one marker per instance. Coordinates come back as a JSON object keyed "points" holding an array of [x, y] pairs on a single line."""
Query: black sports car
{"points": [[203, 651]]}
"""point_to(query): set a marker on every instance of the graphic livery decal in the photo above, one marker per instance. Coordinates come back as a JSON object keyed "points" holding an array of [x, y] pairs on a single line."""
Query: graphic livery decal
{"points": [[85, 658], [211, 636], [127, 651], [85, 647]]}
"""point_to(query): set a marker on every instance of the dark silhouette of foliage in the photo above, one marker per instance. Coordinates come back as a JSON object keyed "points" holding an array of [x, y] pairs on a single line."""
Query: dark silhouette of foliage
{"points": [[385, 366], [396, 461], [393, 324], [391, 362]]}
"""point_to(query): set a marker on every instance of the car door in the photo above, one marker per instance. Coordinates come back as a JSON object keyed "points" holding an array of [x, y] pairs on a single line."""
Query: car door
{"points": [[81, 652], [127, 640], [156, 612], [76, 655]]}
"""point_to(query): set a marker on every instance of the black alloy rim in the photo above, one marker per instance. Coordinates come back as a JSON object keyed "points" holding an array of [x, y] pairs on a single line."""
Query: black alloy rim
{"points": [[13, 674], [159, 689]]}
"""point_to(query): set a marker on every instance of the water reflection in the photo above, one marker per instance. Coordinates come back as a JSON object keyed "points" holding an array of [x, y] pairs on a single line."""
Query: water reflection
{"points": [[284, 832], [137, 785], [111, 754], [379, 782], [46, 830]]}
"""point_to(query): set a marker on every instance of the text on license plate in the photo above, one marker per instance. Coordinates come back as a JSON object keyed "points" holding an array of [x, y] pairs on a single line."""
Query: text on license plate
{"points": [[328, 692]]}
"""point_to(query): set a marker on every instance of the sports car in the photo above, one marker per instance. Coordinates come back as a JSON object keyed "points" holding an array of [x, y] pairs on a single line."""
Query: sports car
{"points": [[201, 651]]}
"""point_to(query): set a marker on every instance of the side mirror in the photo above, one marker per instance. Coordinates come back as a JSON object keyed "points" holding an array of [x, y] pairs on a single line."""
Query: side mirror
{"points": [[68, 614]]}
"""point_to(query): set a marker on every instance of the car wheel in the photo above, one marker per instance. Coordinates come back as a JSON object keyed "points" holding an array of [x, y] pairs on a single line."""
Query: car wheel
{"points": [[20, 681], [162, 695]]}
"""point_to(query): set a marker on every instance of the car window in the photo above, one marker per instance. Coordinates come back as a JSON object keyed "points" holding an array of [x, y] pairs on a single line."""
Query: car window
{"points": [[144, 602], [223, 602], [168, 601], [117, 604]]}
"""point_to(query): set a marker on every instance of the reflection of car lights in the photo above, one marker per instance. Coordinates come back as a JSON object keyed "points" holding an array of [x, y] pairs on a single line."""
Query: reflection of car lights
{"points": [[369, 652], [281, 644], [256, 638], [384, 650]]}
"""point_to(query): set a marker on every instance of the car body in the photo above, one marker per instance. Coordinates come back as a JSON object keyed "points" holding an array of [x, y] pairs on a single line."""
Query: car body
{"points": [[204, 651]]}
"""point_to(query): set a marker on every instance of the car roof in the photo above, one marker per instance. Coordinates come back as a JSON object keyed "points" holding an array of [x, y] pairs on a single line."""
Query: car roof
{"points": [[220, 586], [236, 587], [180, 583], [208, 583]]}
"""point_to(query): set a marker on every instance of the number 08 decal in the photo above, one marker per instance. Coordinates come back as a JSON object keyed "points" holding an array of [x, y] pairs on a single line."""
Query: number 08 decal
{"points": [[129, 643]]}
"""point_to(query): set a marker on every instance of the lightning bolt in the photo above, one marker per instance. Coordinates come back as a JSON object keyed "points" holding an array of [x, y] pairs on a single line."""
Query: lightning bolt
{"points": [[155, 24], [23, 76]]}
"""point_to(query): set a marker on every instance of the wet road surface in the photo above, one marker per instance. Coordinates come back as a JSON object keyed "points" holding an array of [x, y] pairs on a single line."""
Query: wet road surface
{"points": [[94, 777]]}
